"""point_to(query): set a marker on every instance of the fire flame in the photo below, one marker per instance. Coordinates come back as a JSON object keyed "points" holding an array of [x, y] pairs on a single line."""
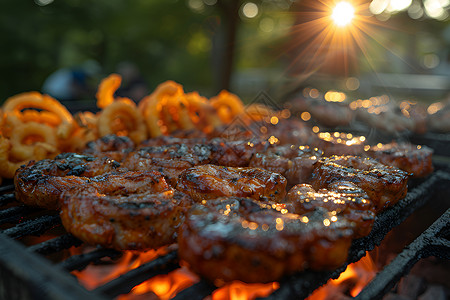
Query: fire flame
{"points": [[165, 287], [351, 281], [94, 275], [241, 291]]}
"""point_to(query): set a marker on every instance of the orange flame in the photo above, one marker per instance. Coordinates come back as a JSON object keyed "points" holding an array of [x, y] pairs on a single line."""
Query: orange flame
{"points": [[241, 291], [351, 281], [163, 286], [95, 275]]}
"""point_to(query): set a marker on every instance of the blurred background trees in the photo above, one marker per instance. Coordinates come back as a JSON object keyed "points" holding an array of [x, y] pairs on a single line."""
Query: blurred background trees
{"points": [[208, 45]]}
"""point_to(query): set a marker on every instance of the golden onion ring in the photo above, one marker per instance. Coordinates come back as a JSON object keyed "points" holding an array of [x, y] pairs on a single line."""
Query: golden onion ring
{"points": [[227, 105], [106, 89], [167, 88], [7, 167], [33, 140], [122, 117], [202, 112], [257, 112], [55, 113]]}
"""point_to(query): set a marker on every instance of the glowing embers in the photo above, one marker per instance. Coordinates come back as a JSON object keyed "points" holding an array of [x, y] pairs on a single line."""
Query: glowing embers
{"points": [[350, 282], [95, 275], [163, 286], [241, 291]]}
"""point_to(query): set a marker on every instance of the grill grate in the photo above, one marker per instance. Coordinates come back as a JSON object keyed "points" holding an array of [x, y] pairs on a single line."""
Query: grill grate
{"points": [[26, 266], [430, 243]]}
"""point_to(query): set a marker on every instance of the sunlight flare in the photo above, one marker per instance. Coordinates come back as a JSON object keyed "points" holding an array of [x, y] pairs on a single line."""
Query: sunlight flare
{"points": [[343, 14]]}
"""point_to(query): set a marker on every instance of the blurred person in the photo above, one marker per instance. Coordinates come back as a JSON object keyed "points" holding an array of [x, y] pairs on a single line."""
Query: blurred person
{"points": [[133, 84], [72, 83]]}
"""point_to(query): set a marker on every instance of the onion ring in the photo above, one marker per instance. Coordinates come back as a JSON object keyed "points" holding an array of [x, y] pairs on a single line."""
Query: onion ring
{"points": [[122, 118], [202, 113], [55, 113], [106, 89], [257, 112], [168, 87], [33, 141], [7, 167], [227, 105]]}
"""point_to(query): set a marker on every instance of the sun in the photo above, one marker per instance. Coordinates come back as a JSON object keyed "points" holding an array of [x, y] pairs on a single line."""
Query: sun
{"points": [[343, 14]]}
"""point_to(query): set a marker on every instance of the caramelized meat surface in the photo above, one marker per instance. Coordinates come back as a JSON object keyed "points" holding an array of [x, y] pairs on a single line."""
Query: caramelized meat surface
{"points": [[211, 181], [296, 163], [33, 182], [384, 185], [341, 198], [407, 157], [243, 239], [169, 160], [112, 146], [127, 211]]}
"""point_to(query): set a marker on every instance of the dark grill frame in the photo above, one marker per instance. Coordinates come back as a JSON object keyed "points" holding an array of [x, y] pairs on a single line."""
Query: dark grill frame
{"points": [[26, 274]]}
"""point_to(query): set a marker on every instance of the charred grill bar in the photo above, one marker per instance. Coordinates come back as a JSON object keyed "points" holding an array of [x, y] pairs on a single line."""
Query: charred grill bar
{"points": [[24, 274]]}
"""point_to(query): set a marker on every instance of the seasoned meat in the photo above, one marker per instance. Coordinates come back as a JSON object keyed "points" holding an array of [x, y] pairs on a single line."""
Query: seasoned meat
{"points": [[34, 185], [341, 198], [243, 239], [384, 185], [127, 211], [211, 181], [339, 143], [112, 146], [296, 163], [235, 153], [169, 160], [407, 157]]}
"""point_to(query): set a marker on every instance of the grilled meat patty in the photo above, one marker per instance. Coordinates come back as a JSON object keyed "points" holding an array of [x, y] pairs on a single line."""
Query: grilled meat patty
{"points": [[296, 163], [407, 157], [126, 211], [243, 239], [341, 198], [384, 185], [211, 181], [34, 185]]}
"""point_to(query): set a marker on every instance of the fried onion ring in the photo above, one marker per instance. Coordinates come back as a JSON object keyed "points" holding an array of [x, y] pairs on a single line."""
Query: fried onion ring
{"points": [[227, 105], [122, 118], [7, 167], [106, 89], [54, 113], [33, 141], [150, 106], [202, 113]]}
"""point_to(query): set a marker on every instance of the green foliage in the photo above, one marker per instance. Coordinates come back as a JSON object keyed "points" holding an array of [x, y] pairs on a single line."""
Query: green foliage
{"points": [[165, 39]]}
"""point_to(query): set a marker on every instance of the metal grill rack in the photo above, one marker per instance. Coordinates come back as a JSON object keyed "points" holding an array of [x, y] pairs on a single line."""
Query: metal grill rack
{"points": [[25, 273]]}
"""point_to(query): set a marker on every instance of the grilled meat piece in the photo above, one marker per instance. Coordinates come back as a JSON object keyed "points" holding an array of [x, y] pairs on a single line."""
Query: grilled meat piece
{"points": [[341, 198], [33, 182], [407, 157], [211, 181], [243, 239], [169, 160], [112, 146], [384, 185], [235, 153], [339, 143], [296, 163], [127, 211]]}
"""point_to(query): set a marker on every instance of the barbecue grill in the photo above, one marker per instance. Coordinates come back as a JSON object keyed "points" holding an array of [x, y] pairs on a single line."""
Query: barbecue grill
{"points": [[27, 272]]}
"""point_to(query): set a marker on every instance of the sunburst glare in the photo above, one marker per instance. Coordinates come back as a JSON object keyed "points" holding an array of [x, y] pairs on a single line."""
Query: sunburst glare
{"points": [[343, 14], [329, 36]]}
